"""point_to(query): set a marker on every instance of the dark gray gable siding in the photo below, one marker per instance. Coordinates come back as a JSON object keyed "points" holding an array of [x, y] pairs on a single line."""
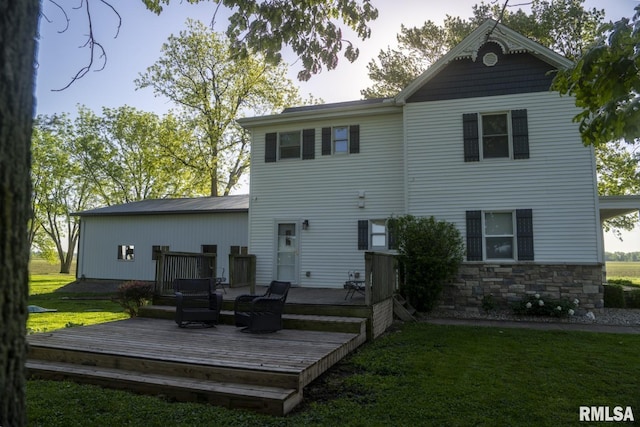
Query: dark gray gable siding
{"points": [[463, 78]]}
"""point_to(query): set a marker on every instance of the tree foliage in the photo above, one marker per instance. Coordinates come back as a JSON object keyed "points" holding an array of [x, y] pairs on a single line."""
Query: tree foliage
{"points": [[430, 252], [212, 87], [308, 27], [59, 188], [125, 155], [564, 26], [605, 82]]}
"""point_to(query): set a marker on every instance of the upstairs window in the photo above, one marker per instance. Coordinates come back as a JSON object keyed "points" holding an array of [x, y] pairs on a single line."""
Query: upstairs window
{"points": [[341, 140], [495, 135], [290, 145]]}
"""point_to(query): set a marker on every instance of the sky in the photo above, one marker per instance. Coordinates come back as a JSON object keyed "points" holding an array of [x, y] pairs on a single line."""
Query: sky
{"points": [[142, 33]]}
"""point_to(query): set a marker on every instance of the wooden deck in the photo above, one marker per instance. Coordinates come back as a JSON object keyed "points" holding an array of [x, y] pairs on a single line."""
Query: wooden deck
{"points": [[222, 365]]}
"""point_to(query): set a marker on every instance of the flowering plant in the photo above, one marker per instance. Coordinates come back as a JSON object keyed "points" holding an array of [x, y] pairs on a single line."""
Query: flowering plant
{"points": [[536, 305]]}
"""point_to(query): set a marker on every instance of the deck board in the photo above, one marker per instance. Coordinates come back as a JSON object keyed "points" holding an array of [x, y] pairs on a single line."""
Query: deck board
{"points": [[290, 351]]}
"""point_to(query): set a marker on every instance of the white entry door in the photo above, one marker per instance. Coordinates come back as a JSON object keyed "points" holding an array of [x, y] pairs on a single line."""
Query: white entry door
{"points": [[287, 253]]}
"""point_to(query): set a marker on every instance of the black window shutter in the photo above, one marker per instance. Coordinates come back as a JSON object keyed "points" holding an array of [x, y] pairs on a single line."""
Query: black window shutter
{"points": [[474, 236], [524, 230], [354, 139], [308, 144], [326, 141], [271, 147], [363, 234], [392, 241], [520, 129], [470, 136]]}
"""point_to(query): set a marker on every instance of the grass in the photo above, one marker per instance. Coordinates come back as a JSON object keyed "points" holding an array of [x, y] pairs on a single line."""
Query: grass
{"points": [[627, 271], [72, 309], [419, 374]]}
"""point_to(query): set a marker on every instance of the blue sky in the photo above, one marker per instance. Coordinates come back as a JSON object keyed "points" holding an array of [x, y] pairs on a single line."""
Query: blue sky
{"points": [[142, 34]]}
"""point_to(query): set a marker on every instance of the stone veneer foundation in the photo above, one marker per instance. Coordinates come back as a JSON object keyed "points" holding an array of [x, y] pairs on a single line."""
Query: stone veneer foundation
{"points": [[508, 283]]}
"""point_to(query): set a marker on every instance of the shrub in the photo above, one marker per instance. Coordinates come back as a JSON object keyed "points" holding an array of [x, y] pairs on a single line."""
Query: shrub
{"points": [[614, 296], [536, 305], [430, 253], [632, 299], [134, 294]]}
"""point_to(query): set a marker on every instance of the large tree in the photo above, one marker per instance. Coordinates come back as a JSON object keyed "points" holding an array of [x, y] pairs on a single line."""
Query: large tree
{"points": [[18, 25], [562, 25], [213, 87], [59, 188]]}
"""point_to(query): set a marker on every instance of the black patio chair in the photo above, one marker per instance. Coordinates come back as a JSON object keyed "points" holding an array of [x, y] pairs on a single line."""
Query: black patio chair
{"points": [[197, 302], [262, 313]]}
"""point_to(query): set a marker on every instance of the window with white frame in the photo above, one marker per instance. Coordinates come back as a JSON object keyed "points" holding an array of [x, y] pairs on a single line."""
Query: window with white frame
{"points": [[499, 235], [341, 140], [378, 234], [290, 145], [495, 136]]}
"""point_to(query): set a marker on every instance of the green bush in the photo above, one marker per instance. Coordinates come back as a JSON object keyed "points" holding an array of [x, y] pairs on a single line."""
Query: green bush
{"points": [[537, 305], [134, 294], [430, 252], [614, 296], [632, 299]]}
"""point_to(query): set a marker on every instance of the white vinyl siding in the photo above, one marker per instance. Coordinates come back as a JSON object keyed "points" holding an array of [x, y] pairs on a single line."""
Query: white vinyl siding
{"points": [[326, 192], [101, 237], [557, 181]]}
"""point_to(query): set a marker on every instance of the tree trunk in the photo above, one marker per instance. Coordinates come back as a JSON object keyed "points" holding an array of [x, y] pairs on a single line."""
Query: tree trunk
{"points": [[18, 25]]}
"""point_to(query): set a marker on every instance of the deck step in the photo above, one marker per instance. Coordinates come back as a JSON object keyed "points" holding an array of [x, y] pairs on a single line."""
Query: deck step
{"points": [[264, 399], [402, 309]]}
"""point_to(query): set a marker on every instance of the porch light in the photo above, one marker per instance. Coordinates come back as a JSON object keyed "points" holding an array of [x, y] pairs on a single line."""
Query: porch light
{"points": [[305, 224]]}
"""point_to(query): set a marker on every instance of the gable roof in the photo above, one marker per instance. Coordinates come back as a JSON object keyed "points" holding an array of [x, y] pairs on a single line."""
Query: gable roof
{"points": [[509, 41], [196, 205]]}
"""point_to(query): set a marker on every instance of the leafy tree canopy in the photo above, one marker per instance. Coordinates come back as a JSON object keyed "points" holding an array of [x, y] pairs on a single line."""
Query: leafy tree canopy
{"points": [[605, 82], [212, 88], [307, 26]]}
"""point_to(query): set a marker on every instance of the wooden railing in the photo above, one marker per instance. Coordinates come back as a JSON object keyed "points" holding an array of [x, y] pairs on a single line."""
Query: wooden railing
{"points": [[186, 265], [242, 271], [381, 277]]}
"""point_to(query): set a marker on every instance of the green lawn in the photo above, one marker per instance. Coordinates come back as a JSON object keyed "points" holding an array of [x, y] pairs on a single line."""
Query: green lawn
{"points": [[72, 309], [419, 374]]}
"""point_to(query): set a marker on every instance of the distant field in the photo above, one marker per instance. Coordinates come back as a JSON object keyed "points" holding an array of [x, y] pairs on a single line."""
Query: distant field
{"points": [[624, 270], [41, 266]]}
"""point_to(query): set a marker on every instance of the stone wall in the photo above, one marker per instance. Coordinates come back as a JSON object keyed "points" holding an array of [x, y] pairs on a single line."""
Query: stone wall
{"points": [[508, 283]]}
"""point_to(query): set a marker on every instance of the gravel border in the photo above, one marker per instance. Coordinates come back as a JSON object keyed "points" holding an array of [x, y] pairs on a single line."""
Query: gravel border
{"points": [[605, 316]]}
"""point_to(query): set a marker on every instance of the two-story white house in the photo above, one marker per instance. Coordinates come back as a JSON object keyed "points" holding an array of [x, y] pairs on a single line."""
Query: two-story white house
{"points": [[478, 140]]}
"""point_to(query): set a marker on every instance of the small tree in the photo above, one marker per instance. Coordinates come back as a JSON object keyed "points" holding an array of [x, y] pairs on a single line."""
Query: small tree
{"points": [[431, 252]]}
